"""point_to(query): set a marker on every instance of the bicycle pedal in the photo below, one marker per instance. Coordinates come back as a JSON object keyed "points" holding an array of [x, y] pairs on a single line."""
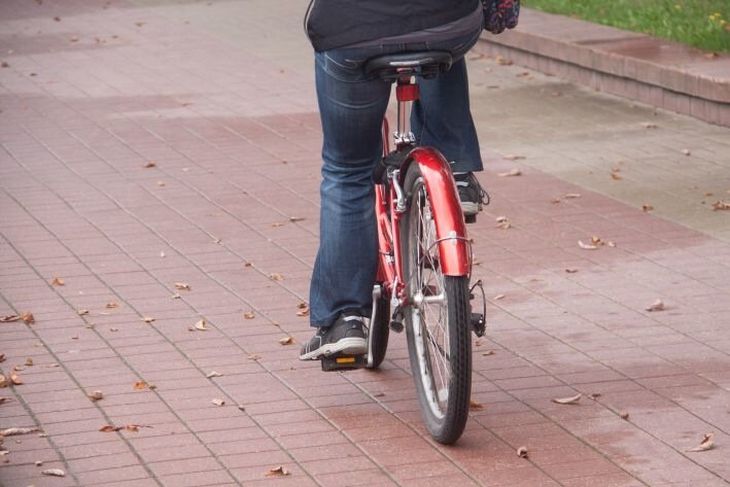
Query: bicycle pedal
{"points": [[478, 324], [343, 362], [396, 326]]}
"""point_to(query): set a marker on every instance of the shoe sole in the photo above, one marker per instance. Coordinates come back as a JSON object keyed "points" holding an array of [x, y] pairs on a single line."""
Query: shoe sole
{"points": [[345, 346]]}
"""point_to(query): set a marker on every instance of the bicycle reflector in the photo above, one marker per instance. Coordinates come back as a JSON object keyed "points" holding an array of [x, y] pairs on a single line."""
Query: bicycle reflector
{"points": [[406, 92]]}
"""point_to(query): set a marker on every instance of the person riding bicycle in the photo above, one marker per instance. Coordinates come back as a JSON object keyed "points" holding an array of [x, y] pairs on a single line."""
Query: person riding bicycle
{"points": [[345, 34]]}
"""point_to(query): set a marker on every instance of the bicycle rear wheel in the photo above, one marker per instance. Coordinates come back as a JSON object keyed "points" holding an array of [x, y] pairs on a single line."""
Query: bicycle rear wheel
{"points": [[437, 321]]}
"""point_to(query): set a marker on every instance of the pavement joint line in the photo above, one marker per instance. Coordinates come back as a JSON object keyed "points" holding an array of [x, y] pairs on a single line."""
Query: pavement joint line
{"points": [[234, 342]]}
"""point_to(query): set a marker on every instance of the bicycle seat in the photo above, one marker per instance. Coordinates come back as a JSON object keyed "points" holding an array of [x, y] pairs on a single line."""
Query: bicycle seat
{"points": [[427, 64]]}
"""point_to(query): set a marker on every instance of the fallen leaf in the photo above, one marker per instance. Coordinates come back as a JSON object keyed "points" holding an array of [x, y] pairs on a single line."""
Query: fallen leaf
{"points": [[487, 353], [275, 276], [615, 175], [18, 368], [498, 297], [287, 340], [571, 196], [140, 385], [254, 357], [511, 172], [594, 396], [29, 362], [513, 157], [503, 61], [57, 281], [96, 396], [9, 318], [657, 305], [3, 400], [686, 152], [161, 183], [475, 406], [218, 402], [303, 309], [38, 463], [27, 317], [623, 415], [113, 329], [522, 452], [568, 400], [110, 428], [707, 443], [150, 164], [4, 381], [649, 125], [503, 223], [2, 357], [277, 224], [74, 39], [212, 374], [18, 431], [162, 254], [82, 312], [201, 325], [139, 24], [294, 219], [571, 270], [182, 286], [721, 205], [279, 471], [646, 207], [54, 472], [111, 305], [148, 319], [15, 379], [134, 428], [249, 315], [586, 246]]}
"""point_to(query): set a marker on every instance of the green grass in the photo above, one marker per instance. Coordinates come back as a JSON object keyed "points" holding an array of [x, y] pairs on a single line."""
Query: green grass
{"points": [[701, 23]]}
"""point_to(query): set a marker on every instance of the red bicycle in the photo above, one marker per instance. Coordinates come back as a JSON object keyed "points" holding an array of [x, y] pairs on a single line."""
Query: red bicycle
{"points": [[425, 260]]}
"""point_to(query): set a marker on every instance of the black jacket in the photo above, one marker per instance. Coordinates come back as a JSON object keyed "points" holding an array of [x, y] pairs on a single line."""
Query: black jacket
{"points": [[337, 23]]}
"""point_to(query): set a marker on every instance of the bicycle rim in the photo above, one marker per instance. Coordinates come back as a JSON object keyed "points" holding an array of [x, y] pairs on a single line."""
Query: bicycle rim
{"points": [[438, 334]]}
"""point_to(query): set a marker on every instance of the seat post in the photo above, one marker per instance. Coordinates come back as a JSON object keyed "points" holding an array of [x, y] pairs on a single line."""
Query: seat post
{"points": [[406, 92]]}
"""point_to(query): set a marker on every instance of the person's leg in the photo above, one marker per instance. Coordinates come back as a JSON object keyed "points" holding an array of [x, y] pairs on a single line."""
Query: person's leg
{"points": [[442, 118], [351, 110]]}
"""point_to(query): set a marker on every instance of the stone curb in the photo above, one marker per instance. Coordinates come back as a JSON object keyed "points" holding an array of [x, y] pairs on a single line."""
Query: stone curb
{"points": [[637, 66]]}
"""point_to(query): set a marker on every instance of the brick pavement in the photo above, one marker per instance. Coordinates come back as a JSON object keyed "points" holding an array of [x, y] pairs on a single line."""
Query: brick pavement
{"points": [[219, 95]]}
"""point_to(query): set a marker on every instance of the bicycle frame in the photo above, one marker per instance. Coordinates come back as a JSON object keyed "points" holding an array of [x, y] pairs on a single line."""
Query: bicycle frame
{"points": [[454, 247]]}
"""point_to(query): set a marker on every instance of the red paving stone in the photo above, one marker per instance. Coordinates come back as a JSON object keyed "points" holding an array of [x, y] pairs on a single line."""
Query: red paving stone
{"points": [[235, 140]]}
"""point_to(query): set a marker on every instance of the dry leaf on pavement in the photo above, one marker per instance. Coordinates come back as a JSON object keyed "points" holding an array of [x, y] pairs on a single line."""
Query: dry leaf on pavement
{"points": [[646, 207], [218, 402], [303, 309], [623, 415], [27, 317], [570, 196], [568, 400], [4, 381], [182, 286], [571, 270], [294, 219], [657, 305], [275, 276], [2, 357], [29, 362], [721, 205], [57, 281], [615, 174], [111, 305], [522, 452], [140, 385], [82, 312], [9, 318], [513, 157], [511, 172], [150, 164], [487, 353], [249, 315], [498, 297], [586, 246], [287, 340], [54, 472], [475, 406], [279, 471], [15, 379], [649, 125], [708, 443], [686, 152], [212, 374], [201, 325], [503, 223], [18, 431], [148, 319], [96, 396]]}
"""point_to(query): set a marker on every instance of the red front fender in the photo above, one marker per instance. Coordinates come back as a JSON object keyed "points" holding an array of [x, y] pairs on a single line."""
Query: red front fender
{"points": [[454, 245]]}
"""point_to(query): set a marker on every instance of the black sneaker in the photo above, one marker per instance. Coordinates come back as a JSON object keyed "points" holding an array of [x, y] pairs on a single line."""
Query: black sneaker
{"points": [[471, 194], [345, 336]]}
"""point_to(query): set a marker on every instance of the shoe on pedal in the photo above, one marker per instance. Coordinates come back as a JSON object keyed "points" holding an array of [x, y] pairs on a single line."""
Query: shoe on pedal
{"points": [[346, 337], [471, 195]]}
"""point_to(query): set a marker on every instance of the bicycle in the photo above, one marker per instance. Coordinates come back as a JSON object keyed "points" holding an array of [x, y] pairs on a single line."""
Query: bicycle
{"points": [[424, 261]]}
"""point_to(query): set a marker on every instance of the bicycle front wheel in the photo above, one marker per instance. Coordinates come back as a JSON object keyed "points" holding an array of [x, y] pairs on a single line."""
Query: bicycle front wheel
{"points": [[437, 326]]}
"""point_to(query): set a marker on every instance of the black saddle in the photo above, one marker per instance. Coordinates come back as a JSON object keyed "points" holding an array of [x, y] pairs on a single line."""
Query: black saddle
{"points": [[427, 64]]}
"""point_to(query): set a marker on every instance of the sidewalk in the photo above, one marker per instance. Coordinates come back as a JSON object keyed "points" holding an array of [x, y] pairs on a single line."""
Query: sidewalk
{"points": [[144, 144]]}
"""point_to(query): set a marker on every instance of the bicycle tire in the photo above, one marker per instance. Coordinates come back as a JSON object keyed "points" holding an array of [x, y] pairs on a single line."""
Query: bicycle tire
{"points": [[380, 330], [444, 405]]}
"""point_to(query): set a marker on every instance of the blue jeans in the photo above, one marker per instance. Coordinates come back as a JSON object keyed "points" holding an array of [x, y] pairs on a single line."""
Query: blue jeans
{"points": [[352, 106]]}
